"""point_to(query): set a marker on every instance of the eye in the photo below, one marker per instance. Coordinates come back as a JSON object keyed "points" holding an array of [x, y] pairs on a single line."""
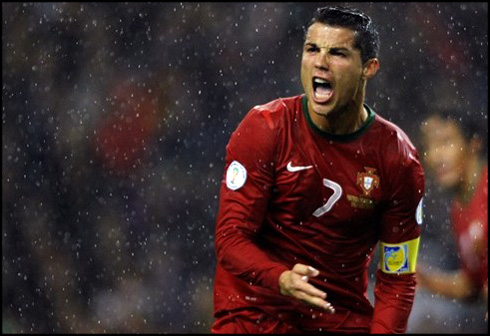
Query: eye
{"points": [[312, 49], [337, 53]]}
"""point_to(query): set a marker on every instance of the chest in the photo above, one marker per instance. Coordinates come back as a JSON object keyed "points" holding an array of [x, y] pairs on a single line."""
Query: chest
{"points": [[330, 184]]}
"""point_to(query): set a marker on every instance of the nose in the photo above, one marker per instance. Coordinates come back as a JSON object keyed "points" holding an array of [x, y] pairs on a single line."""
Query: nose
{"points": [[322, 60], [434, 157]]}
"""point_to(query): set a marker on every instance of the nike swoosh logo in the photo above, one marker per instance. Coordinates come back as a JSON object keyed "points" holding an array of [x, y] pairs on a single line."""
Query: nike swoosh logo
{"points": [[293, 169]]}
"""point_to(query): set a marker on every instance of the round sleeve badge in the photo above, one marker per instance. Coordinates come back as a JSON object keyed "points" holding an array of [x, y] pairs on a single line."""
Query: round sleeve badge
{"points": [[236, 175], [419, 213]]}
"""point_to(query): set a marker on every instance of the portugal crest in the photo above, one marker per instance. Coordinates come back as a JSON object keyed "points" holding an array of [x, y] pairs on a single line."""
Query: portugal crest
{"points": [[368, 180]]}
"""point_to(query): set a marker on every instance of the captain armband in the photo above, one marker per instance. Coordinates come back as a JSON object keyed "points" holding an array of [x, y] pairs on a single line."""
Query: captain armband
{"points": [[399, 258]]}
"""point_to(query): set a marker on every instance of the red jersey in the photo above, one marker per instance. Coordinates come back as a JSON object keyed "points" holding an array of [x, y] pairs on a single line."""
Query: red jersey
{"points": [[470, 226], [294, 194]]}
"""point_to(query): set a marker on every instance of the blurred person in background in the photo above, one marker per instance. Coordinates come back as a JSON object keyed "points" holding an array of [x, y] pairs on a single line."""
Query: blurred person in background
{"points": [[80, 226], [312, 183], [455, 156]]}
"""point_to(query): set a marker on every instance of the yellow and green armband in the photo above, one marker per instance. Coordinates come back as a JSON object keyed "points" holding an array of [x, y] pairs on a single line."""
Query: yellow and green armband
{"points": [[399, 258]]}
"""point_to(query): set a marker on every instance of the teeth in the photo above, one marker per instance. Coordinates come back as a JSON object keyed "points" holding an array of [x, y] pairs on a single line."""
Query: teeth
{"points": [[320, 81]]}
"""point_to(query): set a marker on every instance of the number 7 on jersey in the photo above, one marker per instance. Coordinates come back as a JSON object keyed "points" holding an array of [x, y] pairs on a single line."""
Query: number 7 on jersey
{"points": [[337, 192]]}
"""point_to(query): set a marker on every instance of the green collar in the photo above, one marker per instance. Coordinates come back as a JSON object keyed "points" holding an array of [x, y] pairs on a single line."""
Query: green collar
{"points": [[339, 137]]}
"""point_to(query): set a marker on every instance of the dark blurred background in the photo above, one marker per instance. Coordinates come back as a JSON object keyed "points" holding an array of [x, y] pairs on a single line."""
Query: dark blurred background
{"points": [[115, 118]]}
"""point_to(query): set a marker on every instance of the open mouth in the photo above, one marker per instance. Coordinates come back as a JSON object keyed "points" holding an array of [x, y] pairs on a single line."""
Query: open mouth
{"points": [[322, 90]]}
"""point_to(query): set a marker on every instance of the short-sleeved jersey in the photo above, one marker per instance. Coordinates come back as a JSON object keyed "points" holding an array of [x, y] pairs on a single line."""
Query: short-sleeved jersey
{"points": [[305, 196], [470, 226]]}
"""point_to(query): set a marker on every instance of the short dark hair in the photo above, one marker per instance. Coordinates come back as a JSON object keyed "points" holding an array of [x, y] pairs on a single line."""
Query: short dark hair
{"points": [[470, 126], [367, 37]]}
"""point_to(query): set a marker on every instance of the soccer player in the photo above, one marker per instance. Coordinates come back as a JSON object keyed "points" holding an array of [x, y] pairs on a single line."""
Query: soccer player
{"points": [[454, 154], [312, 183]]}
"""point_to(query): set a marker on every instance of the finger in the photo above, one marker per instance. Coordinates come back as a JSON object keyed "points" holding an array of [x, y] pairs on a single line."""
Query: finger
{"points": [[305, 270], [300, 269], [311, 290], [301, 284], [328, 307], [313, 271], [316, 301]]}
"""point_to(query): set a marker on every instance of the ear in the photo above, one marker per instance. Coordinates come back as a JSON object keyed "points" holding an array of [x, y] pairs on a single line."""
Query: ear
{"points": [[370, 68], [475, 145]]}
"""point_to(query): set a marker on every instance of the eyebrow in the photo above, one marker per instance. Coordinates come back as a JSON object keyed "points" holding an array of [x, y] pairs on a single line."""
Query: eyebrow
{"points": [[312, 44]]}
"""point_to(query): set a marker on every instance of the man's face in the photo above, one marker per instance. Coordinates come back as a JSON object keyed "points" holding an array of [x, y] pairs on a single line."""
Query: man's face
{"points": [[446, 151], [331, 68]]}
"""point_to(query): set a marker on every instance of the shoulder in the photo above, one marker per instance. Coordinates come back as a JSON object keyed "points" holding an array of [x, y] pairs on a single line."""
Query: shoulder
{"points": [[274, 111], [398, 145], [401, 162], [262, 126]]}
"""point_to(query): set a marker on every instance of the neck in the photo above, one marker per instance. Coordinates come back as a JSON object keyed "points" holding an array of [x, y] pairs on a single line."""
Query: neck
{"points": [[346, 121]]}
